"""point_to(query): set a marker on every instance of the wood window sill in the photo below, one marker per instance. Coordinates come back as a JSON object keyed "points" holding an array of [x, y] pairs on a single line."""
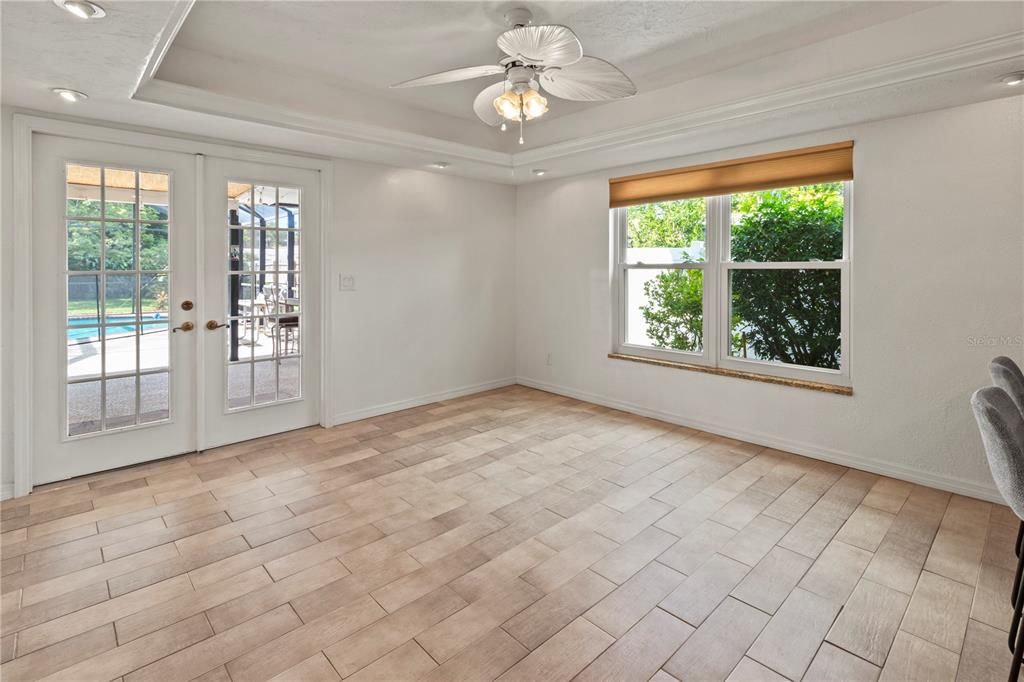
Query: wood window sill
{"points": [[751, 376]]}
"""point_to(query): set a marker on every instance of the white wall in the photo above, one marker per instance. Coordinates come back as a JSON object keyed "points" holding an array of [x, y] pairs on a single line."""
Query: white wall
{"points": [[938, 258], [433, 310]]}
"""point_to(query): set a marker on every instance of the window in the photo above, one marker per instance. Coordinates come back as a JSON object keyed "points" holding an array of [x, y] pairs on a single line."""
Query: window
{"points": [[754, 280]]}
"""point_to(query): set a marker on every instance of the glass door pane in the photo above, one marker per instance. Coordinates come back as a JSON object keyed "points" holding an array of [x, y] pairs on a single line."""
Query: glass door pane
{"points": [[118, 227], [264, 344]]}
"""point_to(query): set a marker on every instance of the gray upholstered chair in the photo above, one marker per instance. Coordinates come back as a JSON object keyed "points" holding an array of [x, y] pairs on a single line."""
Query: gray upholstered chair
{"points": [[1009, 377], [1002, 430]]}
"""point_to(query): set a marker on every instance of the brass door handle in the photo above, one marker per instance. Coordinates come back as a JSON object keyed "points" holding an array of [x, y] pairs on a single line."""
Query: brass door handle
{"points": [[185, 327], [212, 324]]}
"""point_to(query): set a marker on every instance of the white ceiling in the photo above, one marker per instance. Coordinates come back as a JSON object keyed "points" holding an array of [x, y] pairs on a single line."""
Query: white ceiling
{"points": [[365, 46], [312, 76]]}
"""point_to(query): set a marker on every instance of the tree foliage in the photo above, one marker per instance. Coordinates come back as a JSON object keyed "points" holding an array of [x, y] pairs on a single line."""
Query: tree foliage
{"points": [[791, 315]]}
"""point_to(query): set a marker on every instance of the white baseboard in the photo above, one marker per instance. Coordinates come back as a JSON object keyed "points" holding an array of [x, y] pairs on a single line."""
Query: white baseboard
{"points": [[875, 466], [6, 491], [385, 408]]}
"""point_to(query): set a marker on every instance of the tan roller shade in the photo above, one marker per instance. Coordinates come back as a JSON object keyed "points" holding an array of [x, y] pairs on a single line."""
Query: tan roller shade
{"points": [[827, 163]]}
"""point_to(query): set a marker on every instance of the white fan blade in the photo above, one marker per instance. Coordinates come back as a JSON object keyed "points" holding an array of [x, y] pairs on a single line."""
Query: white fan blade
{"points": [[544, 45], [483, 105], [464, 74], [588, 80]]}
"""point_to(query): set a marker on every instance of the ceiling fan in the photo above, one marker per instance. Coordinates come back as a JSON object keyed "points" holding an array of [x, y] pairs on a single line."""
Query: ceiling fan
{"points": [[544, 56]]}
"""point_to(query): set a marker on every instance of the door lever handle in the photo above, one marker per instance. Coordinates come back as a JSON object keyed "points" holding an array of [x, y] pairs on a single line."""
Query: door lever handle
{"points": [[185, 327], [212, 324]]}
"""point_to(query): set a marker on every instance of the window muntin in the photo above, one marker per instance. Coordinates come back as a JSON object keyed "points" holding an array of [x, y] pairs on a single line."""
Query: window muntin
{"points": [[117, 359], [773, 294], [264, 272]]}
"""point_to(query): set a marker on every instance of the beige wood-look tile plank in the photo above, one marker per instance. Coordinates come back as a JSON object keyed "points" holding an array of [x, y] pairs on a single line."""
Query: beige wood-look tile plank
{"points": [[296, 645], [422, 581], [632, 522], [752, 543], [985, 655], [220, 648], [502, 568], [195, 558], [912, 658], [345, 590], [869, 621], [565, 533], [233, 565], [866, 528], [749, 670], [538, 622], [390, 545], [956, 555], [517, 532], [631, 601], [407, 662], [639, 653], [114, 663], [561, 568], [792, 637], [717, 646], [690, 553], [769, 583], [7, 648], [321, 552], [836, 571], [991, 601], [316, 668], [939, 610], [560, 658], [455, 539], [42, 635], [624, 562], [490, 656], [359, 650], [105, 571], [91, 542], [58, 656], [15, 619], [462, 628], [149, 620], [51, 571], [888, 495], [832, 664], [701, 593], [898, 562], [160, 537]]}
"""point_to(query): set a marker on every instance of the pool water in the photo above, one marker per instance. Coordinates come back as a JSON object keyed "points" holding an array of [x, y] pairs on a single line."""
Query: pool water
{"points": [[87, 328]]}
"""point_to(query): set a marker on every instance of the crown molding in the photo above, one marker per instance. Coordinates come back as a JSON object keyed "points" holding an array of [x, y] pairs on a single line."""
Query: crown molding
{"points": [[970, 55], [655, 139]]}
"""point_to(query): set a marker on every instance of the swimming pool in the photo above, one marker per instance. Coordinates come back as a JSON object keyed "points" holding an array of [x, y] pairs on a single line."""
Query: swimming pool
{"points": [[87, 328]]}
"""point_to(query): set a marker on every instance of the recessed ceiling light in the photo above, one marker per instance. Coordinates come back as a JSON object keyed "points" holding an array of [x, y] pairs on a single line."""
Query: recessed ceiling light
{"points": [[440, 164], [69, 95], [83, 9], [1015, 78], [538, 171]]}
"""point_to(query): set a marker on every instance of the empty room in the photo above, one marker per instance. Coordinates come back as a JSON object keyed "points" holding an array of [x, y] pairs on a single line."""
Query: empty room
{"points": [[531, 341]]}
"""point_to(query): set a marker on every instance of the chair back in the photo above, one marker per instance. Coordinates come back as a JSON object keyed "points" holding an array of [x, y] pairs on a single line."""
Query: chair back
{"points": [[1007, 375], [1002, 431]]}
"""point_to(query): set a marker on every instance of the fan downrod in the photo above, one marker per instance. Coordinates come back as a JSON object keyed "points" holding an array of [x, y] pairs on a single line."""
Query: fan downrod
{"points": [[518, 16]]}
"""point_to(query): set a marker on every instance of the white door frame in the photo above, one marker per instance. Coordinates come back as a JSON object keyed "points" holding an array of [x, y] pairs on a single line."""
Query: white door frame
{"points": [[24, 127]]}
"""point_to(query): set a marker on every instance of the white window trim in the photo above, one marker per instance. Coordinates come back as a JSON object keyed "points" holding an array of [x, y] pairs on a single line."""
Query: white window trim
{"points": [[716, 269]]}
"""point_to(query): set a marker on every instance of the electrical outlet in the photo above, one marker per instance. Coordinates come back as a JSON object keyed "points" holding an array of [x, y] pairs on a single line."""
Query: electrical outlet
{"points": [[346, 283]]}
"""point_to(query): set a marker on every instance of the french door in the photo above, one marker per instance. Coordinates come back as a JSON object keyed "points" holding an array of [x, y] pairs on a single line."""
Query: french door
{"points": [[166, 321]]}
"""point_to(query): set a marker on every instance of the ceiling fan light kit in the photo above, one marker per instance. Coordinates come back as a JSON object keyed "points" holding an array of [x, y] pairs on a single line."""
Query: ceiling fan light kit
{"points": [[545, 56]]}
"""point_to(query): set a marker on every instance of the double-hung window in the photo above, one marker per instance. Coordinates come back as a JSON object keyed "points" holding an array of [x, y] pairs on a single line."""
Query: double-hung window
{"points": [[741, 265]]}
